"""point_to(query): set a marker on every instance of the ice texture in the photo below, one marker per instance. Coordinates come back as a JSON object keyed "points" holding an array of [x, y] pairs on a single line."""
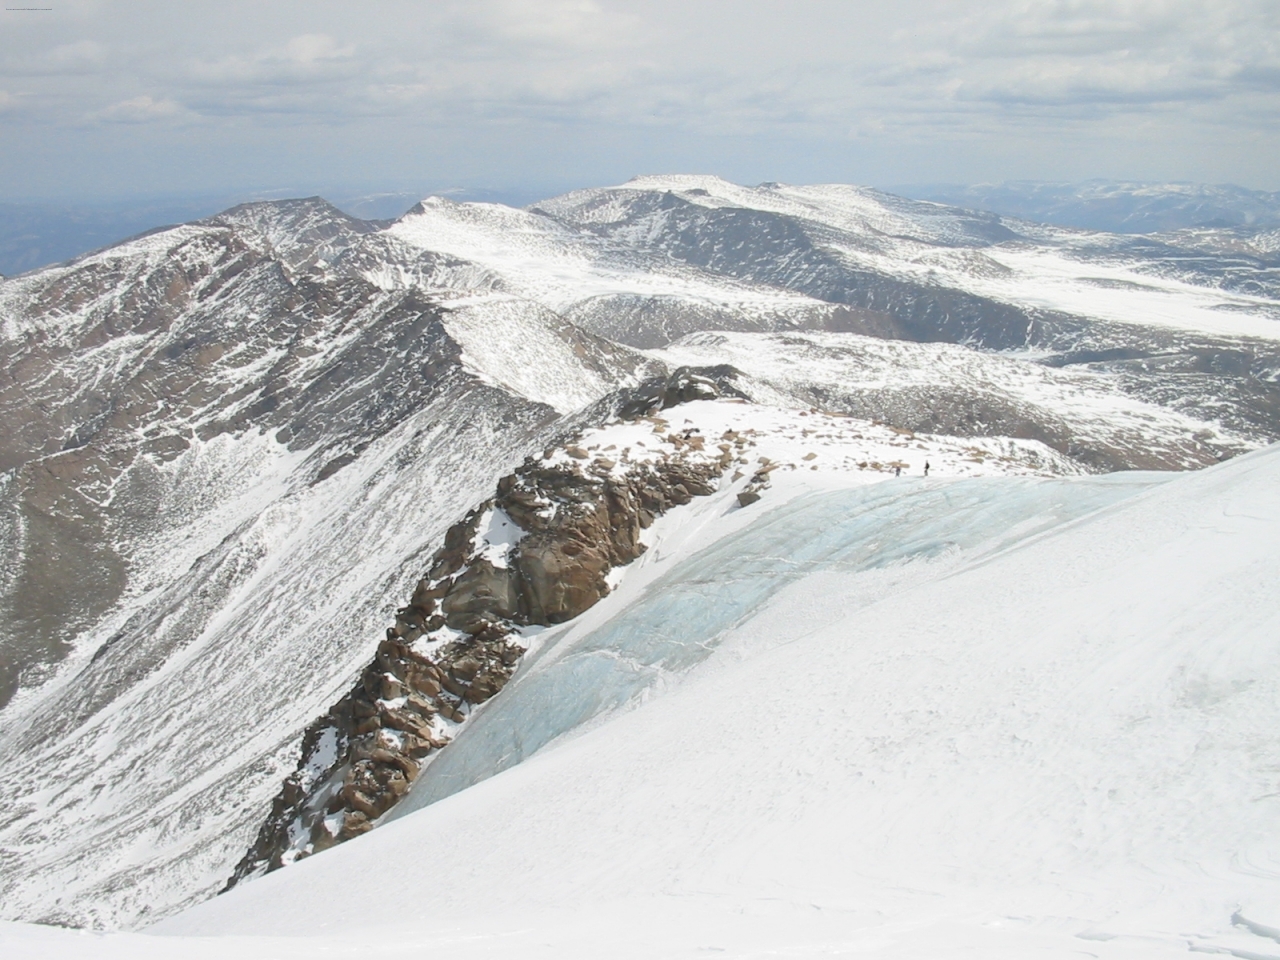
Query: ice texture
{"points": [[680, 618]]}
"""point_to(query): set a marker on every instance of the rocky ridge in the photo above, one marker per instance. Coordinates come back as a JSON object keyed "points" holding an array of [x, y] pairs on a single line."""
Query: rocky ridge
{"points": [[538, 553]]}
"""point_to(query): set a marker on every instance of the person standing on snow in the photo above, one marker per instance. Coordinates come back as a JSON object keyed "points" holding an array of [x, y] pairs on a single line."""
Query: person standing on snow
{"points": [[926, 468]]}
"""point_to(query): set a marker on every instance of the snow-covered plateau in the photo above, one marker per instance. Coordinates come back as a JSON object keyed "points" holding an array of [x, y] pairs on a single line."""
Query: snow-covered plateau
{"points": [[1020, 704]]}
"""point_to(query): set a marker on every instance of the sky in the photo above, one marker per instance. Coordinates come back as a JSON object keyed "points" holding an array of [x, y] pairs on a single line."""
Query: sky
{"points": [[108, 99]]}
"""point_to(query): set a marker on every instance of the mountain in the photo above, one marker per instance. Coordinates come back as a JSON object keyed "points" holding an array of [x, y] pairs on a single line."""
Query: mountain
{"points": [[237, 446], [1038, 724], [34, 235], [1119, 206]]}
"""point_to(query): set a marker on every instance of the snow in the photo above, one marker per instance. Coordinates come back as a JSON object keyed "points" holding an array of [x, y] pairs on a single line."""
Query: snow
{"points": [[1043, 727], [535, 258], [254, 594], [1090, 405], [846, 208], [527, 349], [1054, 280], [944, 247], [834, 448], [163, 785], [498, 534], [644, 638]]}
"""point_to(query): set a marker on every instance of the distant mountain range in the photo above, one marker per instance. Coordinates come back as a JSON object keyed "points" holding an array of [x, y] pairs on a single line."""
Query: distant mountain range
{"points": [[37, 234], [34, 235], [1117, 206]]}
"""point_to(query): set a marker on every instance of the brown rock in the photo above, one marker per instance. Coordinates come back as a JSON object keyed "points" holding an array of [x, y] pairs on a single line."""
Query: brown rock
{"points": [[407, 722], [482, 592], [486, 685], [355, 823], [426, 594], [360, 802], [561, 578], [579, 525], [466, 668], [392, 688], [424, 683], [421, 706]]}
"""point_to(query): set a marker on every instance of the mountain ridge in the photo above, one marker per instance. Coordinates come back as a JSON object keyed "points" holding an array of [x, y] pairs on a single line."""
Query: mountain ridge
{"points": [[237, 442]]}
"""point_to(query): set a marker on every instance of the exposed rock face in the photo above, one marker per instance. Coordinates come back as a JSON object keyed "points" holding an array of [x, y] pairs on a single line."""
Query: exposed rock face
{"points": [[539, 552]]}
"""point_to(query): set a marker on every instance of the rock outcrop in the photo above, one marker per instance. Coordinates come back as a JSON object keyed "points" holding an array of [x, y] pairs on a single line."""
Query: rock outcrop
{"points": [[538, 553]]}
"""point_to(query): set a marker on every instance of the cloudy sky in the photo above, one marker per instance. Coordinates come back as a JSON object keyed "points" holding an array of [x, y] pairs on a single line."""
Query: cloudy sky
{"points": [[129, 97]]}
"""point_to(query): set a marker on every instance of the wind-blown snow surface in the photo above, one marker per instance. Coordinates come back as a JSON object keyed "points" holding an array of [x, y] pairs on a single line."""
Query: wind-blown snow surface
{"points": [[657, 257], [1055, 739], [1075, 272]]}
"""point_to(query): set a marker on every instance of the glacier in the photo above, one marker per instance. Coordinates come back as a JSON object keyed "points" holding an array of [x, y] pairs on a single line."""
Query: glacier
{"points": [[680, 616]]}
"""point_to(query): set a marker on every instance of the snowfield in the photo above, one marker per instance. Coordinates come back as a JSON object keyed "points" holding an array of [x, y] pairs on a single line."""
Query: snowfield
{"points": [[944, 717]]}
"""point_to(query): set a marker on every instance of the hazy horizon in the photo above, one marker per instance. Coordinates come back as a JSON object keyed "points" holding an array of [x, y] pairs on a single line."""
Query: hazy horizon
{"points": [[136, 99]]}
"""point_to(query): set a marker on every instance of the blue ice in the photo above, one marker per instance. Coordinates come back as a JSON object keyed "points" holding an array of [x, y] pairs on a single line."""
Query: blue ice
{"points": [[681, 617]]}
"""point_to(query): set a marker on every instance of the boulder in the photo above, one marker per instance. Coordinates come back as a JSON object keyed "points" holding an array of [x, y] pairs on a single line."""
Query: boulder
{"points": [[486, 685], [391, 687], [560, 578], [483, 591], [355, 823]]}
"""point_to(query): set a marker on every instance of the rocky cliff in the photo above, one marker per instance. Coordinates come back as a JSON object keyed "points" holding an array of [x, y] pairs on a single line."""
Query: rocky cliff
{"points": [[537, 553]]}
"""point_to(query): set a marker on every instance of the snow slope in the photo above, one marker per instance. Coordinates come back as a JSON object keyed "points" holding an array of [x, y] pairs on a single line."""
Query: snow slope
{"points": [[1077, 273], [534, 257], [261, 464], [1055, 739]]}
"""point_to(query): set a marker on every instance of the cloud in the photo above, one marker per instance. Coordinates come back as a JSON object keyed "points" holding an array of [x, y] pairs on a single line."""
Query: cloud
{"points": [[79, 54], [1131, 54], [313, 48], [308, 58], [144, 109], [660, 73]]}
